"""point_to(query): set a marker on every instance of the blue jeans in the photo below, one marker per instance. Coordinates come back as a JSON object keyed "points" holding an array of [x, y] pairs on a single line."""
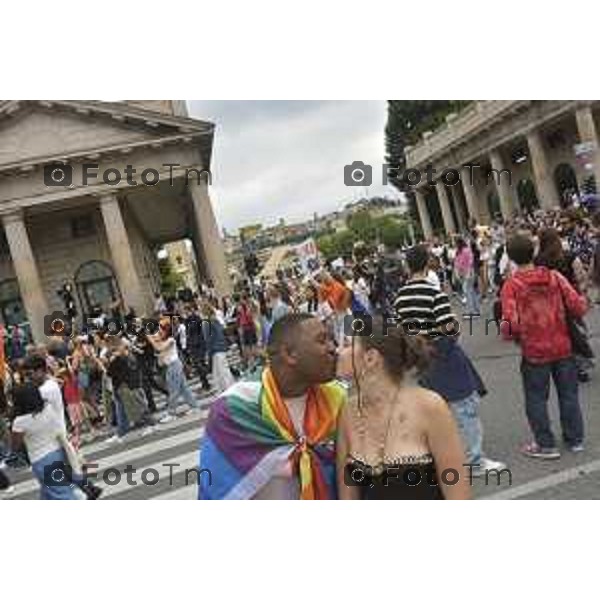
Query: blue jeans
{"points": [[466, 415], [473, 306], [120, 414], [536, 385], [54, 492], [177, 386]]}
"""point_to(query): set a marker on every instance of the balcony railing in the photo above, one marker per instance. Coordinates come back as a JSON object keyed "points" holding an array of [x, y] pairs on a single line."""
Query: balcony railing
{"points": [[457, 128]]}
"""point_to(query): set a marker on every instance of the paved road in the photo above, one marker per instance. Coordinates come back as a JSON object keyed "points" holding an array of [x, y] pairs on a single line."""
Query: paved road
{"points": [[573, 476], [505, 426]]}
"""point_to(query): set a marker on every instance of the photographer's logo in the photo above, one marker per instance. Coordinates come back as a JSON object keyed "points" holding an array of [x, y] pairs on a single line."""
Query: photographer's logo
{"points": [[61, 175], [359, 475], [58, 324], [58, 175], [359, 325], [58, 474], [357, 173]]}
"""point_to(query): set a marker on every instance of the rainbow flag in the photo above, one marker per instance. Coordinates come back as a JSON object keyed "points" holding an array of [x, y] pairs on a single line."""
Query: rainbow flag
{"points": [[249, 438]]}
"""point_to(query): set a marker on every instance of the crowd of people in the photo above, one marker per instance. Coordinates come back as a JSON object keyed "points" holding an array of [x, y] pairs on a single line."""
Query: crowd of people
{"points": [[413, 396], [413, 399]]}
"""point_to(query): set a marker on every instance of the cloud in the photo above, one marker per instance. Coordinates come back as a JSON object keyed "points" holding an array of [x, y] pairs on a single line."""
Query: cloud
{"points": [[276, 159]]}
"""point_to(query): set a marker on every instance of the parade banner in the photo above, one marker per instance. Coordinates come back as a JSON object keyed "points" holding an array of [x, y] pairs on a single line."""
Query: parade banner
{"points": [[308, 254]]}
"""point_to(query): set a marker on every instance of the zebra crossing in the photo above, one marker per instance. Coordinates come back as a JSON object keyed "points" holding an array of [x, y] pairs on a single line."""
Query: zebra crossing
{"points": [[161, 464]]}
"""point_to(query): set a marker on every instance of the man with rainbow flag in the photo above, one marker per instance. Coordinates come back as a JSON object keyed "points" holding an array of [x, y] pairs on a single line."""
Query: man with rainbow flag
{"points": [[275, 438]]}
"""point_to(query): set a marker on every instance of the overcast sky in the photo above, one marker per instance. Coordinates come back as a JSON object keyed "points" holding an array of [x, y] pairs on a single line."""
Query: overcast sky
{"points": [[286, 159]]}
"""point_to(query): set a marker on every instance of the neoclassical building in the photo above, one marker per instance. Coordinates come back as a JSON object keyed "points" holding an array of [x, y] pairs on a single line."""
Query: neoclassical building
{"points": [[101, 237], [549, 147]]}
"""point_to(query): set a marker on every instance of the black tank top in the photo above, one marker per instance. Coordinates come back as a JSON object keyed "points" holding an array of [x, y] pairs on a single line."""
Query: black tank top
{"points": [[407, 478]]}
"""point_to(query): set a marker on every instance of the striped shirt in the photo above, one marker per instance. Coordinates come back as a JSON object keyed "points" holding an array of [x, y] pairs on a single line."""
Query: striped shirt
{"points": [[420, 306]]}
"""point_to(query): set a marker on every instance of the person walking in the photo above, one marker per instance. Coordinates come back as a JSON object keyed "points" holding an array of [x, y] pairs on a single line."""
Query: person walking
{"points": [[216, 343], [536, 304], [464, 269], [164, 344], [425, 310]]}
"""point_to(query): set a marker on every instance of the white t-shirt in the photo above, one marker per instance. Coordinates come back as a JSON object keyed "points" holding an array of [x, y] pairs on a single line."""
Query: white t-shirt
{"points": [[169, 353], [50, 392], [433, 279], [41, 430], [182, 335], [361, 291], [437, 251]]}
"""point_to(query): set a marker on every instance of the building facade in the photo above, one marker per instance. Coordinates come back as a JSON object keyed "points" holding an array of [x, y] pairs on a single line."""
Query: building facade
{"points": [[529, 155], [101, 235]]}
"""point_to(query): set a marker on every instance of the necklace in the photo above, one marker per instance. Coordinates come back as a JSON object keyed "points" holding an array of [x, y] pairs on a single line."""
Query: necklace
{"points": [[362, 430]]}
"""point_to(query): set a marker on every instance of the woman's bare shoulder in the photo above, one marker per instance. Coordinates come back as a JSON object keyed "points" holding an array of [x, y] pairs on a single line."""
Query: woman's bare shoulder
{"points": [[430, 401]]}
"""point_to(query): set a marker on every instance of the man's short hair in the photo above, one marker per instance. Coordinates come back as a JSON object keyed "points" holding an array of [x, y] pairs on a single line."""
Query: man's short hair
{"points": [[417, 258], [285, 330], [520, 249]]}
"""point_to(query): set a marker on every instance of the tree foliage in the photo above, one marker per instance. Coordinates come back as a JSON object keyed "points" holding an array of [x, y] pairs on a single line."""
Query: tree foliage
{"points": [[170, 280], [407, 121], [362, 227]]}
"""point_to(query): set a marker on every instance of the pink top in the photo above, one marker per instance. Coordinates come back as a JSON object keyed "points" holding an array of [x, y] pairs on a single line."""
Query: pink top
{"points": [[463, 262]]}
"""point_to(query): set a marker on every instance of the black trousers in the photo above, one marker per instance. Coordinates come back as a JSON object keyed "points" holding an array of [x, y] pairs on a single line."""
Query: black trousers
{"points": [[4, 480]]}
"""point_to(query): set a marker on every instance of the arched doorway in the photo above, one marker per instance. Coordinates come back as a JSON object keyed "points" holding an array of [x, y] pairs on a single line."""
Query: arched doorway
{"points": [[96, 285], [528, 200], [435, 213], [565, 180], [12, 310]]}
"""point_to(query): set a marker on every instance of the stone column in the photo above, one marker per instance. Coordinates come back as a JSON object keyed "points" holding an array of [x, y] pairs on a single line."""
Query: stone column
{"points": [[504, 186], [212, 252], [470, 192], [586, 128], [444, 201], [27, 274], [544, 183], [461, 215], [424, 214], [122, 255]]}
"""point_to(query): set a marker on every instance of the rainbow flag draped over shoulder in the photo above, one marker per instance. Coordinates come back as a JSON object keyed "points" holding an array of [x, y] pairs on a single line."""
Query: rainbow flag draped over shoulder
{"points": [[249, 438]]}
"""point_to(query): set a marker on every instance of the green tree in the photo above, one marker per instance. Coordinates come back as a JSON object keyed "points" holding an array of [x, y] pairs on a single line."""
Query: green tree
{"points": [[334, 245], [392, 232], [362, 226], [406, 122], [170, 280]]}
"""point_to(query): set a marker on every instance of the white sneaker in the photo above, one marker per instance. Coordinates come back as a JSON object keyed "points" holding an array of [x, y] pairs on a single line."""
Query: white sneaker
{"points": [[485, 465], [166, 419], [9, 491], [148, 431], [183, 410], [115, 439]]}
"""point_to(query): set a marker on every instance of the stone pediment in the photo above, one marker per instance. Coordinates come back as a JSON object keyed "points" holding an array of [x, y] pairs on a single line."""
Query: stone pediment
{"points": [[37, 132]]}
